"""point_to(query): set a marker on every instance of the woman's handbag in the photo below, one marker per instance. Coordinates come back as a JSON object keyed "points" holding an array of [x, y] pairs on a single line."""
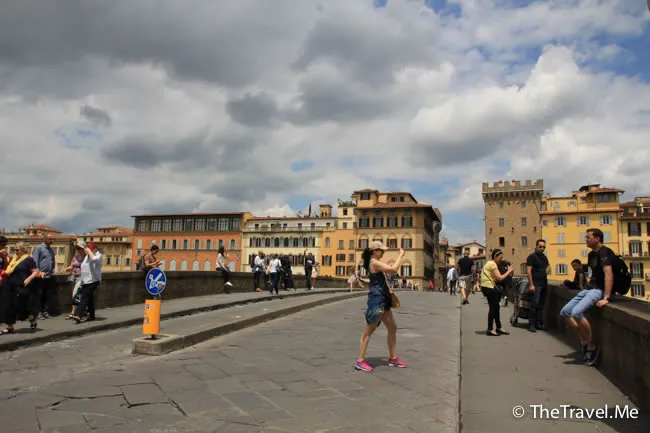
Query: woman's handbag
{"points": [[394, 301]]}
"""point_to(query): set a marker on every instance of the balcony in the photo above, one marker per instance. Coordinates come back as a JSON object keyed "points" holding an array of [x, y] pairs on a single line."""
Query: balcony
{"points": [[288, 229]]}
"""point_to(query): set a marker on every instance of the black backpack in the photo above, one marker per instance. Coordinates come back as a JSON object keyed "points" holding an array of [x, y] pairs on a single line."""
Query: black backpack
{"points": [[622, 276]]}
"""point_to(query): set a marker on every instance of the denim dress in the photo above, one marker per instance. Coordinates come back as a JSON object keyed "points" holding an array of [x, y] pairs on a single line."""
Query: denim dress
{"points": [[378, 298]]}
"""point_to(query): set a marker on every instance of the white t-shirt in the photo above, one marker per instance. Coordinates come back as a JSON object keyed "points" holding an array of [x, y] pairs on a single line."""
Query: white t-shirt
{"points": [[91, 270], [275, 264]]}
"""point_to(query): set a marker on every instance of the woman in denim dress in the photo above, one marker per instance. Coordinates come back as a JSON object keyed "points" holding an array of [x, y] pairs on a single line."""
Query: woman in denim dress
{"points": [[379, 302]]}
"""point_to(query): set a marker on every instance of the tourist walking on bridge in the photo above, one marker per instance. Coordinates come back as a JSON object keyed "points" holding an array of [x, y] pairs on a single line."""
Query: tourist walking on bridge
{"points": [[22, 276], [466, 270], [379, 305]]}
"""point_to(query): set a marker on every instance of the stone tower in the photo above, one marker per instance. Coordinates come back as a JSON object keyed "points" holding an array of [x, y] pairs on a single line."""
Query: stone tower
{"points": [[512, 221]]}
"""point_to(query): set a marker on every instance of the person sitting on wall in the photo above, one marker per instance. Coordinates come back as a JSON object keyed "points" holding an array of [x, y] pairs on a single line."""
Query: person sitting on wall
{"points": [[578, 282]]}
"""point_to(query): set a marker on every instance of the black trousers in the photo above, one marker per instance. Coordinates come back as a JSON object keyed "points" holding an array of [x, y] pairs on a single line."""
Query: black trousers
{"points": [[571, 285], [87, 300], [47, 287], [308, 278], [494, 315], [256, 279], [226, 274]]}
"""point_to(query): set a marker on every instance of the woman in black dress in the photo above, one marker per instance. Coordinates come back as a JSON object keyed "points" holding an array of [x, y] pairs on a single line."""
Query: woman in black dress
{"points": [[24, 294]]}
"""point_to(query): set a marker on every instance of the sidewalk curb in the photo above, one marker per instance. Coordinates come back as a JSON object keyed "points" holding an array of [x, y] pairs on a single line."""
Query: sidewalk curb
{"points": [[99, 327], [170, 342]]}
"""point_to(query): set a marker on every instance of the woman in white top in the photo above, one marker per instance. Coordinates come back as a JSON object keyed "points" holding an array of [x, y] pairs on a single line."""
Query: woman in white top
{"points": [[355, 280], [314, 274], [274, 267], [221, 266]]}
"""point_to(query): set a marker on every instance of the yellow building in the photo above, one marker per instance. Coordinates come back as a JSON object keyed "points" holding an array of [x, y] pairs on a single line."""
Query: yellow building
{"points": [[635, 245], [345, 239], [63, 244], [399, 221], [565, 221], [288, 236], [115, 244]]}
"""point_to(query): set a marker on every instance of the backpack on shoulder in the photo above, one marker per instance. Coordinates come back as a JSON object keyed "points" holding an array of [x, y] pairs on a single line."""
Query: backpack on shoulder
{"points": [[622, 276]]}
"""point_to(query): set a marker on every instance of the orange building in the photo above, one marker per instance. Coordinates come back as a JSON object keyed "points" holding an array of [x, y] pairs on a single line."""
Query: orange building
{"points": [[190, 241]]}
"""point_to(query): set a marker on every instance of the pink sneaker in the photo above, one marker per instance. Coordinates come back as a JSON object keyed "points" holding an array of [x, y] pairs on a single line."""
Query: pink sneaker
{"points": [[397, 363], [363, 366]]}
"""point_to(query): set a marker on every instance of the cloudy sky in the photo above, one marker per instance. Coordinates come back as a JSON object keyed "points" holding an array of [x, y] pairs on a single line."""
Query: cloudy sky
{"points": [[118, 107]]}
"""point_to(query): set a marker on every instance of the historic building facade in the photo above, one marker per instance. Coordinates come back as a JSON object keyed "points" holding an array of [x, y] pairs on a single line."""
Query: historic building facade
{"points": [[635, 244], [565, 221], [63, 244], [116, 245], [189, 242], [289, 236], [512, 221], [399, 221]]}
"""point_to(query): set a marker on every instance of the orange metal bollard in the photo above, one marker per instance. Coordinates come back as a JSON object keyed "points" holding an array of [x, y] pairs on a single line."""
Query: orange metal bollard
{"points": [[151, 324]]}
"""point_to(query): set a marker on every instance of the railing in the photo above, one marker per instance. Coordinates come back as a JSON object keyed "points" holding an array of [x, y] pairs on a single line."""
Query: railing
{"points": [[288, 229]]}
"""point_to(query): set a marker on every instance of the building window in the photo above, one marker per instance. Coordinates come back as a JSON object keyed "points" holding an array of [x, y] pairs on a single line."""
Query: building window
{"points": [[167, 225], [391, 221], [186, 244], [199, 225], [108, 260], [345, 225], [561, 269], [584, 253], [405, 271], [223, 225], [490, 230], [345, 212], [544, 223], [524, 222], [196, 266], [522, 269], [501, 204], [407, 221], [363, 243], [188, 224], [351, 245], [340, 257], [184, 265], [392, 243], [636, 269], [340, 271], [583, 220], [638, 290], [524, 241], [634, 229], [351, 257], [208, 244], [142, 226], [341, 245], [635, 248], [178, 225], [117, 260], [560, 221], [163, 244], [365, 196], [174, 244], [211, 224], [561, 253], [523, 204], [407, 243], [378, 222], [364, 222], [607, 237], [327, 242], [502, 222], [606, 220], [233, 244], [502, 242], [197, 244], [296, 242], [327, 260], [560, 238], [207, 265], [172, 265]]}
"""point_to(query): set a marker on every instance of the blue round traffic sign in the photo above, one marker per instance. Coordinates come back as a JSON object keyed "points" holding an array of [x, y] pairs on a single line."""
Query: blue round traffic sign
{"points": [[155, 281]]}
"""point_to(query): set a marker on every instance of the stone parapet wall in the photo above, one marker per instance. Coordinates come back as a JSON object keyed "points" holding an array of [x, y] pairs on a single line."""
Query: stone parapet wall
{"points": [[622, 328], [119, 289]]}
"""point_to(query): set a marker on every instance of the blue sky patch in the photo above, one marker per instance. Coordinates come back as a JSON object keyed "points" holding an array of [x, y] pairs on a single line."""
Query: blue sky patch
{"points": [[303, 165]]}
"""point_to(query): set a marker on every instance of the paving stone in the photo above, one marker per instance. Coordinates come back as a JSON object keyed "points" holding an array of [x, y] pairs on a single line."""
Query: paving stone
{"points": [[95, 421], [81, 389], [265, 385], [143, 394], [248, 401], [51, 420], [100, 405], [205, 371]]}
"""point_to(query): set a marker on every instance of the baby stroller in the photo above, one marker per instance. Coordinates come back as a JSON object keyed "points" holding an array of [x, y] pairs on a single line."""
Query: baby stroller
{"points": [[521, 306]]}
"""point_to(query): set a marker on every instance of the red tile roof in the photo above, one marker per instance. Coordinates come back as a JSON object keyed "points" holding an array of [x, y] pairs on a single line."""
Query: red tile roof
{"points": [[397, 204], [44, 228], [120, 228], [599, 190]]}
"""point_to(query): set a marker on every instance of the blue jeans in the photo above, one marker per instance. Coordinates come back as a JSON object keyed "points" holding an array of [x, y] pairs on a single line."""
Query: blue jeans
{"points": [[583, 301], [537, 301]]}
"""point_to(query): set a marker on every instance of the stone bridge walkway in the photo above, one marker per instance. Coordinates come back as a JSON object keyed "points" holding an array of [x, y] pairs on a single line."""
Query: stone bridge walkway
{"points": [[295, 374]]}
